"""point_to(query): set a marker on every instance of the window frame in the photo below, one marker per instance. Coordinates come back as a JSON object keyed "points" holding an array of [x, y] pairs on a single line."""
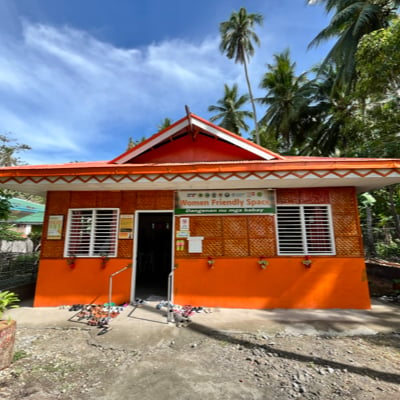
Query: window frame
{"points": [[305, 241], [92, 241]]}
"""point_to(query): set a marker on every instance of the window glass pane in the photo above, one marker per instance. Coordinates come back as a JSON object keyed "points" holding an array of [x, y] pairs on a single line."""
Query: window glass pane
{"points": [[80, 232], [304, 229], [92, 232], [289, 230], [317, 229], [105, 232]]}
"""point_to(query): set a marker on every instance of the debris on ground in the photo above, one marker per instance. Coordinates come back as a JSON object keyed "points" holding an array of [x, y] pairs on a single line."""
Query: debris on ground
{"points": [[66, 364]]}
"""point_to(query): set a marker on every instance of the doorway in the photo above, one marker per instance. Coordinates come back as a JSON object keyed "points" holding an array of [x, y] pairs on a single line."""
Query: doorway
{"points": [[153, 254]]}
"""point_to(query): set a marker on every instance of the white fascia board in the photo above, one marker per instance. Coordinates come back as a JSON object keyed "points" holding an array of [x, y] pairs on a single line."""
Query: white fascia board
{"points": [[204, 127], [153, 142], [233, 140]]}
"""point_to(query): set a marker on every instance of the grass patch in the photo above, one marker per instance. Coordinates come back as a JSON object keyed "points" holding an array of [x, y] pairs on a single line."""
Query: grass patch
{"points": [[19, 355]]}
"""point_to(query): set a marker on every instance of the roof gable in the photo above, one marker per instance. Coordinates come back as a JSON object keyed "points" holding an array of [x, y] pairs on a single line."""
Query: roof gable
{"points": [[193, 139]]}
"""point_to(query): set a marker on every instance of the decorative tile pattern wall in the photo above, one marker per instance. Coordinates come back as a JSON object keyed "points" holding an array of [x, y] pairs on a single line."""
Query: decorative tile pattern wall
{"points": [[224, 236], [128, 202]]}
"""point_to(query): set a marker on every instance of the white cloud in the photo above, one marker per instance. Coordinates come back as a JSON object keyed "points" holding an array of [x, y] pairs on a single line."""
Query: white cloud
{"points": [[67, 94]]}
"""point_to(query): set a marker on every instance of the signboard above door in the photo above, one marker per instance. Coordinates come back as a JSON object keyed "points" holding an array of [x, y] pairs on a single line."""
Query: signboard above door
{"points": [[246, 201]]}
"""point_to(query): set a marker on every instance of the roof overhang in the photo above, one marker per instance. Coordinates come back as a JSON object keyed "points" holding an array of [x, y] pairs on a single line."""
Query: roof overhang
{"points": [[363, 174]]}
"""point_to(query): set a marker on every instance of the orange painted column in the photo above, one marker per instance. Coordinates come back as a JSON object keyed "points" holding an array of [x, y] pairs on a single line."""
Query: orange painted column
{"points": [[85, 282], [284, 283]]}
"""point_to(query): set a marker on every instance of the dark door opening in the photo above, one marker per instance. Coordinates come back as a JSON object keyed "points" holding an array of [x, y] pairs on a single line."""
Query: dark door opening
{"points": [[153, 254]]}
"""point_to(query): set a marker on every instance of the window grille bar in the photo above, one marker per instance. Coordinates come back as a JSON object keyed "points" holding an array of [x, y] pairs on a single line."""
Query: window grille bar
{"points": [[92, 232], [304, 229]]}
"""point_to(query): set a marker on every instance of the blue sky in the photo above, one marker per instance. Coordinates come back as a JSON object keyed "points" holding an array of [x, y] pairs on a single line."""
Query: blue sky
{"points": [[78, 78]]}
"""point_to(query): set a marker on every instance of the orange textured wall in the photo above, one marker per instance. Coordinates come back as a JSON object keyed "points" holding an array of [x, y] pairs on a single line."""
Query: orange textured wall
{"points": [[87, 283], [237, 280], [232, 235], [284, 283], [58, 203], [236, 242], [57, 283]]}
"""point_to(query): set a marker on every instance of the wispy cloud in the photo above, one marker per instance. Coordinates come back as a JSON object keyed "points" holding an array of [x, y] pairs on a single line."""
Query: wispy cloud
{"points": [[68, 94], [73, 96]]}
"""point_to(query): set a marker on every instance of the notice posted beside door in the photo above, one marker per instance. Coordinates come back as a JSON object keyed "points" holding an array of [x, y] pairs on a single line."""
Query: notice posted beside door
{"points": [[195, 244]]}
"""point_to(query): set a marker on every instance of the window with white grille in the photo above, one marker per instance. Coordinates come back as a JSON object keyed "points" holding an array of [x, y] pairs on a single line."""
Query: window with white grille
{"points": [[92, 232], [304, 229]]}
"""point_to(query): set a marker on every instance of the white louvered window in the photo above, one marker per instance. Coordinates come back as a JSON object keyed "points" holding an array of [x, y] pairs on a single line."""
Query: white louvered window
{"points": [[304, 229], [92, 232]]}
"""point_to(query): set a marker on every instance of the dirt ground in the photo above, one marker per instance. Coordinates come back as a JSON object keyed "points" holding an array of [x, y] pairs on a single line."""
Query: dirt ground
{"points": [[70, 364]]}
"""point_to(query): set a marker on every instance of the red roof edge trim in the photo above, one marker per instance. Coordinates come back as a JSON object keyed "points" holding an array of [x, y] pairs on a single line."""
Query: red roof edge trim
{"points": [[237, 137], [152, 137], [203, 124]]}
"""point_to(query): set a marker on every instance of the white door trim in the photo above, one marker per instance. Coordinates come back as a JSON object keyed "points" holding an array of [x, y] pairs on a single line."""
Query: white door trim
{"points": [[135, 243]]}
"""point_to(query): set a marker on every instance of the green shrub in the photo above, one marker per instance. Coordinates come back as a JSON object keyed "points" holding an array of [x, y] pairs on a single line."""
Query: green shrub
{"points": [[389, 251], [6, 233]]}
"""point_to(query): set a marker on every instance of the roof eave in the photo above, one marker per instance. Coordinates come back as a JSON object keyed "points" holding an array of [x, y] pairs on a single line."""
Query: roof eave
{"points": [[364, 175]]}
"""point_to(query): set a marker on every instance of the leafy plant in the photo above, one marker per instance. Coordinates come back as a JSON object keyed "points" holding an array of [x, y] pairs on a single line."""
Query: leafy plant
{"points": [[6, 233], [389, 251], [7, 300], [4, 205], [26, 259]]}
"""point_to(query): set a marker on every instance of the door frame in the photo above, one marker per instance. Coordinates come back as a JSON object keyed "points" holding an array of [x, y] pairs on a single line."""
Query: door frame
{"points": [[135, 249]]}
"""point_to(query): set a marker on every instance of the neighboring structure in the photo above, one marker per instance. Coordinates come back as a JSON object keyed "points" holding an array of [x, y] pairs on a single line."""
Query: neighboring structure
{"points": [[232, 223], [25, 216]]}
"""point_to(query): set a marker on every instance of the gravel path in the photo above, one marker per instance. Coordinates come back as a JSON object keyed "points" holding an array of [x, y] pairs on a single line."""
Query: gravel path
{"points": [[69, 364]]}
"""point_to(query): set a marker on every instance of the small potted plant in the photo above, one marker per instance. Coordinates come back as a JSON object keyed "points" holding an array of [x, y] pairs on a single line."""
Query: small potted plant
{"points": [[210, 261], [8, 328], [104, 260], [307, 261], [71, 260], [262, 262]]}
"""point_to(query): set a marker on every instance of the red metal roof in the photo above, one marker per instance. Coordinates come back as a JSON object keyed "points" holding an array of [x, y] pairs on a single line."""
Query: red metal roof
{"points": [[167, 161], [228, 145]]}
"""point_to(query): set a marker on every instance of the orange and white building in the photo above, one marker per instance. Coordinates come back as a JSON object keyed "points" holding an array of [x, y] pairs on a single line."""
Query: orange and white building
{"points": [[228, 222]]}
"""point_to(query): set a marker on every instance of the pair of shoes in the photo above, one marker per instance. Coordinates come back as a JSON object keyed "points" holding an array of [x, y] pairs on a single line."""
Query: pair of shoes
{"points": [[103, 323], [83, 314], [187, 311], [76, 307]]}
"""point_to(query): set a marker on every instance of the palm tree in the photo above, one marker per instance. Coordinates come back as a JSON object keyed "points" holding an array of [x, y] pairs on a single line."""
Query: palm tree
{"points": [[237, 37], [165, 123], [334, 115], [228, 110], [351, 20], [288, 98], [133, 143]]}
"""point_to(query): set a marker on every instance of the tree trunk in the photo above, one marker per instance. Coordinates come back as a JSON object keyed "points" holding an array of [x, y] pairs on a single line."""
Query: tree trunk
{"points": [[396, 217], [251, 100], [370, 235]]}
